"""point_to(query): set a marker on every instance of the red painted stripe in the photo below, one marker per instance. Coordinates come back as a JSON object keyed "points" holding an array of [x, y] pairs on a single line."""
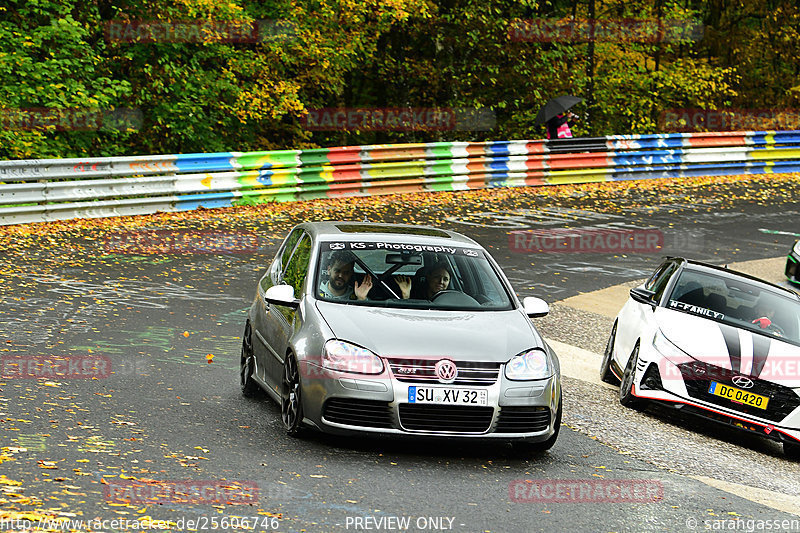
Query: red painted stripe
{"points": [[345, 154], [719, 138], [590, 160], [346, 175]]}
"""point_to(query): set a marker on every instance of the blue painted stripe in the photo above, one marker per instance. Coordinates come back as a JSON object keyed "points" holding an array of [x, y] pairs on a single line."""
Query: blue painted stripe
{"points": [[498, 148], [205, 162], [190, 202], [497, 180], [497, 164]]}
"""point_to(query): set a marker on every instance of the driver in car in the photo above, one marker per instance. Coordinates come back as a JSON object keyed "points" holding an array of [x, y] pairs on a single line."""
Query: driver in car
{"points": [[340, 271], [437, 280]]}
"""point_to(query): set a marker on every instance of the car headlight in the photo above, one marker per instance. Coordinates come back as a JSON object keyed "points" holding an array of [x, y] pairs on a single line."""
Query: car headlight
{"points": [[532, 364], [346, 357], [797, 248], [666, 348]]}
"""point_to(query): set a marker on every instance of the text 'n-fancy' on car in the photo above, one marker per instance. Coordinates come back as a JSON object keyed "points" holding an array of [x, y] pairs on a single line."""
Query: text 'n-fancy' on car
{"points": [[399, 330], [714, 343]]}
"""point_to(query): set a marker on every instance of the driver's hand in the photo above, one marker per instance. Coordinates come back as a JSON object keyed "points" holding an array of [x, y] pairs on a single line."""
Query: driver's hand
{"points": [[404, 282], [362, 289]]}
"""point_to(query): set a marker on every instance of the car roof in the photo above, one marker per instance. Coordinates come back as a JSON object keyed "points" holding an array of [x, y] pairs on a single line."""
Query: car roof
{"points": [[349, 231], [732, 274]]}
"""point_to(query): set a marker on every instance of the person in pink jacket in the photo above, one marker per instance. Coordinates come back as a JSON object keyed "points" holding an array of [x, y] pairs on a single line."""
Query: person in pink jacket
{"points": [[558, 126]]}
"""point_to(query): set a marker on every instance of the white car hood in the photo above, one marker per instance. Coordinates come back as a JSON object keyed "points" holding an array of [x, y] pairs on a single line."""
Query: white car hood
{"points": [[738, 350], [462, 335]]}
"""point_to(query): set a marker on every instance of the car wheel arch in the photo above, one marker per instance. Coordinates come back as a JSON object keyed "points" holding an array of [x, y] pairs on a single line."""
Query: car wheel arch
{"points": [[608, 374], [626, 395]]}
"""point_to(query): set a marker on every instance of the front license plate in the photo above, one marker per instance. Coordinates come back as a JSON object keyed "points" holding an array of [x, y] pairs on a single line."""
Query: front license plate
{"points": [[738, 395], [447, 396]]}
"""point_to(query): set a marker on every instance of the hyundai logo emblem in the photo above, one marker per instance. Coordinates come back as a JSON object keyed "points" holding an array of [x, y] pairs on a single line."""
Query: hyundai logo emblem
{"points": [[446, 371], [743, 382]]}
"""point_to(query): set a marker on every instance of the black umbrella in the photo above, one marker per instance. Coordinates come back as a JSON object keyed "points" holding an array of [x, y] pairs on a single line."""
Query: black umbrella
{"points": [[556, 106]]}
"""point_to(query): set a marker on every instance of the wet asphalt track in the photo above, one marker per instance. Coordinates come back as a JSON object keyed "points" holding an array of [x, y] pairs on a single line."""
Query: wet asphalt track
{"points": [[166, 414]]}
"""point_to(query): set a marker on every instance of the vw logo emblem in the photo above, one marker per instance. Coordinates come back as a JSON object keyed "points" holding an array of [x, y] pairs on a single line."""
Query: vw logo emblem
{"points": [[446, 371], [743, 382]]}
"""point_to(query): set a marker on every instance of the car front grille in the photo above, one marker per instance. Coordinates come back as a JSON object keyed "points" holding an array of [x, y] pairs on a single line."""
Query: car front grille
{"points": [[423, 371], [364, 413], [697, 377], [450, 418], [523, 419]]}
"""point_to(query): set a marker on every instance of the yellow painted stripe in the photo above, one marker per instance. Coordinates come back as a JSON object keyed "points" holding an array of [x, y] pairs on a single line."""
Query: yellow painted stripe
{"points": [[564, 180], [771, 153]]}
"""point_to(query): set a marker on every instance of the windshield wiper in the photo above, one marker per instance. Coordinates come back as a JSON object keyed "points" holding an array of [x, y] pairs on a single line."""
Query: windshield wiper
{"points": [[371, 273]]}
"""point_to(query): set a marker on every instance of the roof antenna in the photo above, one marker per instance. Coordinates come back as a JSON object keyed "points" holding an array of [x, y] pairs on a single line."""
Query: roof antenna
{"points": [[365, 219]]}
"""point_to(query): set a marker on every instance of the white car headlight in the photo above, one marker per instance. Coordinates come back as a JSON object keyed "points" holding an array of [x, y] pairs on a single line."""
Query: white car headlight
{"points": [[532, 364], [346, 357], [666, 348], [797, 248]]}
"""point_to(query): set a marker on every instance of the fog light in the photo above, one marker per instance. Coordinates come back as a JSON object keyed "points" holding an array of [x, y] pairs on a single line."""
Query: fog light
{"points": [[652, 378]]}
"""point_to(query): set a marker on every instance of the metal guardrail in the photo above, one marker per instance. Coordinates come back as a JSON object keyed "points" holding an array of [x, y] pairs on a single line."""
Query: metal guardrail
{"points": [[58, 189]]}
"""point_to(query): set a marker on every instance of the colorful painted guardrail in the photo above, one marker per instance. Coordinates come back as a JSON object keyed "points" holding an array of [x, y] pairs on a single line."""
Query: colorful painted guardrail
{"points": [[57, 189]]}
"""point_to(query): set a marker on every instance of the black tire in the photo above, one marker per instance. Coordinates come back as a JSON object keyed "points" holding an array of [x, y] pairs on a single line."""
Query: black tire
{"points": [[626, 396], [606, 374], [541, 447], [792, 450], [291, 399], [247, 365]]}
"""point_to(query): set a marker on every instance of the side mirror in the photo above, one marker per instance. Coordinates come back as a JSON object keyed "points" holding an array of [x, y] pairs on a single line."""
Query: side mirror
{"points": [[535, 307], [643, 296], [281, 295]]}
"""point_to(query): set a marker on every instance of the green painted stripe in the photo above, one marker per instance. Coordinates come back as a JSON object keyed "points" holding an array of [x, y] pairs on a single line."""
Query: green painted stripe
{"points": [[440, 183], [316, 156], [441, 149], [277, 158]]}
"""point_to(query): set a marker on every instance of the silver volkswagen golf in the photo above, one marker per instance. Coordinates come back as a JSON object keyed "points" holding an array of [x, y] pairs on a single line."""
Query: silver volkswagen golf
{"points": [[397, 329]]}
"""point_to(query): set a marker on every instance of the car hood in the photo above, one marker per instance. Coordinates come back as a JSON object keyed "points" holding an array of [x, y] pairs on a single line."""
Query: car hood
{"points": [[732, 348], [464, 335]]}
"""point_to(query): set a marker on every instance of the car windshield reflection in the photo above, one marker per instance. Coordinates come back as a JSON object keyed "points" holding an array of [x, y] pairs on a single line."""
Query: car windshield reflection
{"points": [[737, 302], [408, 275]]}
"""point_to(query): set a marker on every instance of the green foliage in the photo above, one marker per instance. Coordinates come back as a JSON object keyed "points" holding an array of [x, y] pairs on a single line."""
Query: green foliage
{"points": [[60, 59]]}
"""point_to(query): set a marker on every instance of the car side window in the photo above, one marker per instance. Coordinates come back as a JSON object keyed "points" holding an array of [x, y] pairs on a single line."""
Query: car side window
{"points": [[660, 283], [657, 275], [296, 270], [281, 258], [290, 243]]}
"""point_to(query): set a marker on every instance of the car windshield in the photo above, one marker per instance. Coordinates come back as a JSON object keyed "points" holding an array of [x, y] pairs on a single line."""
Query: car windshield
{"points": [[738, 302], [409, 275]]}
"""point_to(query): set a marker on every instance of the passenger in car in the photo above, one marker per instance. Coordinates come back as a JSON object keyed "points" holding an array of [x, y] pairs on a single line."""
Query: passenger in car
{"points": [[340, 272], [433, 280], [404, 283]]}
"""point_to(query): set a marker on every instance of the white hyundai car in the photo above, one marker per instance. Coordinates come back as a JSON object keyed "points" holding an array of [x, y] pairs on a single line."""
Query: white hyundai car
{"points": [[712, 342]]}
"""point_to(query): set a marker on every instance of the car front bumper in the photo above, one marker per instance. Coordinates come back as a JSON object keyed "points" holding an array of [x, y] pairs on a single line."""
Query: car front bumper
{"points": [[660, 380], [346, 404]]}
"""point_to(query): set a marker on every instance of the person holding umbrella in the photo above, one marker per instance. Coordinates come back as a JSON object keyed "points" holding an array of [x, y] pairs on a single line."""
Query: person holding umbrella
{"points": [[556, 116]]}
